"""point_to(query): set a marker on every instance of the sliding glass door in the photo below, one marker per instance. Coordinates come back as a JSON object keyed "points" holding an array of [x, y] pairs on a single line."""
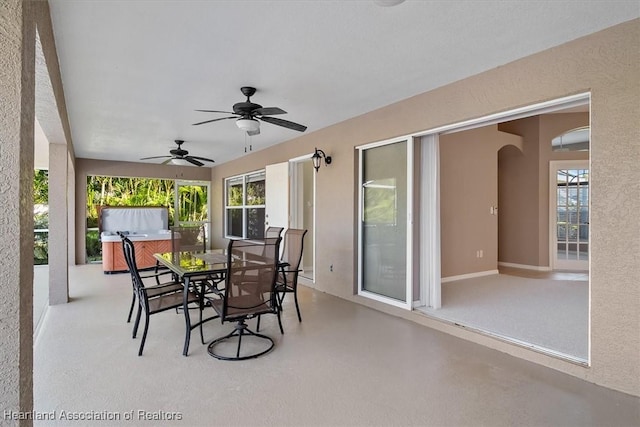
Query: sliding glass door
{"points": [[385, 237]]}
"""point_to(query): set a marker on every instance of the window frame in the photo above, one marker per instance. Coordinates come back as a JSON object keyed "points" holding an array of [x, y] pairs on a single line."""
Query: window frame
{"points": [[244, 207]]}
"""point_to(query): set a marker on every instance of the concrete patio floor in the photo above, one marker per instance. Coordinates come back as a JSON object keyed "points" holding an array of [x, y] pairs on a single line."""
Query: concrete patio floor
{"points": [[344, 365]]}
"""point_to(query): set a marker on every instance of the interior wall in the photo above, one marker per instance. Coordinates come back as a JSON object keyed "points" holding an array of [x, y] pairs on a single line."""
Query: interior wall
{"points": [[606, 64], [523, 186], [518, 198], [92, 167], [468, 187]]}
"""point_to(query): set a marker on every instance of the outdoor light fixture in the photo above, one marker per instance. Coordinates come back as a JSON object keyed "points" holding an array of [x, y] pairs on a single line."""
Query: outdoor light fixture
{"points": [[317, 156], [248, 125]]}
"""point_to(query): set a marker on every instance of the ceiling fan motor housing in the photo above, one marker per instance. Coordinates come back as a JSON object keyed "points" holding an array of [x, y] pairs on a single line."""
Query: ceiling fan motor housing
{"points": [[245, 108]]}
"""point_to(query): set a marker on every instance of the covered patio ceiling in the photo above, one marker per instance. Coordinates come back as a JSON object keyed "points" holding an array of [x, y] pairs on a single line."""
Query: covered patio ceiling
{"points": [[134, 72]]}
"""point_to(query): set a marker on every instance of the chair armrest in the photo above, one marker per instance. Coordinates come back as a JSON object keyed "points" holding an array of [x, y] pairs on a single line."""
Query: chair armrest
{"points": [[155, 275], [164, 285]]}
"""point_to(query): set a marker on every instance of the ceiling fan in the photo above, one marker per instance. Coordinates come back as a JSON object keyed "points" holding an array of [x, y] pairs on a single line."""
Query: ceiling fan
{"points": [[180, 154], [247, 115]]}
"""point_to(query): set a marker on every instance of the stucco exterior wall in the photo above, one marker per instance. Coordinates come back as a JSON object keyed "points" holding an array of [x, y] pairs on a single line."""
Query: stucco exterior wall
{"points": [[607, 64], [17, 89]]}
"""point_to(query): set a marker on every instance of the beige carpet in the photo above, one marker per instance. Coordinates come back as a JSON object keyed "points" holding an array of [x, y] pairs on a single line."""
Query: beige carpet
{"points": [[548, 313]]}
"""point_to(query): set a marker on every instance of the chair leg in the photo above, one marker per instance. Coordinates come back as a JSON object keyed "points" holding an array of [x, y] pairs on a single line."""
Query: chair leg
{"points": [[280, 298], [135, 325], [133, 301], [201, 333], [239, 331], [280, 321], [144, 334], [258, 324], [295, 298]]}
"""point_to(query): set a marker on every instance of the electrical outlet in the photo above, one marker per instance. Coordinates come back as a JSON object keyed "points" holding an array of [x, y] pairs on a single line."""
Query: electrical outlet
{"points": [[331, 268]]}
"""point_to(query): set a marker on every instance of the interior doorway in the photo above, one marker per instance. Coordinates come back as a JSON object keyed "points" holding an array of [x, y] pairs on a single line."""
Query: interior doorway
{"points": [[497, 244], [302, 209]]}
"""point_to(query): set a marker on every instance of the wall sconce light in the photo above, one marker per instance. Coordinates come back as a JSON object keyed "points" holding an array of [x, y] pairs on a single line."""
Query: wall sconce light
{"points": [[317, 156]]}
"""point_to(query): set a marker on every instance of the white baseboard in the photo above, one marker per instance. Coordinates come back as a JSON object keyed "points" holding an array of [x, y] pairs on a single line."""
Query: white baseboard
{"points": [[525, 266], [468, 276]]}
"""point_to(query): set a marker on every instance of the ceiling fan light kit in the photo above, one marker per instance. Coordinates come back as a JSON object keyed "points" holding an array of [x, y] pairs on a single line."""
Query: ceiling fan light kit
{"points": [[248, 125]]}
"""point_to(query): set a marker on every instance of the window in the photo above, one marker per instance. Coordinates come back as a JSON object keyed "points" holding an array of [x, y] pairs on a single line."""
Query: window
{"points": [[245, 206]]}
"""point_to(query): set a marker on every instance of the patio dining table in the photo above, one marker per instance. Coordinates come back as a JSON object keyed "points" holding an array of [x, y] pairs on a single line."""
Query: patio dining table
{"points": [[195, 270]]}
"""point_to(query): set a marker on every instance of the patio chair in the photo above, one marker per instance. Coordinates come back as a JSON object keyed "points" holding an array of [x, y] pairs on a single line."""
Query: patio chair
{"points": [[287, 280], [273, 232], [155, 299], [249, 292], [188, 238], [159, 288]]}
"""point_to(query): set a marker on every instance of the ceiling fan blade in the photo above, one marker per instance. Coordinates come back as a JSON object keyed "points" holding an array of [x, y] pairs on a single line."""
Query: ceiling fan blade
{"points": [[215, 120], [166, 162], [193, 161], [154, 157], [202, 158], [253, 132], [284, 123], [269, 111], [216, 111]]}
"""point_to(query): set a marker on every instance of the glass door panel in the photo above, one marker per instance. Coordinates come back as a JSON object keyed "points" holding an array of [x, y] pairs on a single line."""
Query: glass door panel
{"points": [[384, 218], [571, 241], [192, 204]]}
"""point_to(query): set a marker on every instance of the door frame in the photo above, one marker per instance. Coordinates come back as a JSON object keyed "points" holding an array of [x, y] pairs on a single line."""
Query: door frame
{"points": [[432, 288], [408, 303], [294, 193]]}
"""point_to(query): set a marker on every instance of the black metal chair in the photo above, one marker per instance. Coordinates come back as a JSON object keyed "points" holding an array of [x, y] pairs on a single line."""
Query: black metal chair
{"points": [[249, 292], [155, 290], [155, 299], [287, 280]]}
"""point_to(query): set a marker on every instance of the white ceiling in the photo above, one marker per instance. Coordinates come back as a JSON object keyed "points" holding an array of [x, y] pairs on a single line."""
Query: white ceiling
{"points": [[135, 71]]}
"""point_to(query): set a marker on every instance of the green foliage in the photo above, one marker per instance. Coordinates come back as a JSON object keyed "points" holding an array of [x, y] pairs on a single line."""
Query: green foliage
{"points": [[94, 246], [256, 193], [41, 248], [41, 217], [380, 200], [193, 203], [234, 195], [41, 187], [115, 191]]}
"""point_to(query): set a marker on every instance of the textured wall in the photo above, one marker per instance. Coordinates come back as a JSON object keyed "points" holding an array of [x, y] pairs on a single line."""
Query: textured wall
{"points": [[17, 46], [58, 220], [606, 63]]}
